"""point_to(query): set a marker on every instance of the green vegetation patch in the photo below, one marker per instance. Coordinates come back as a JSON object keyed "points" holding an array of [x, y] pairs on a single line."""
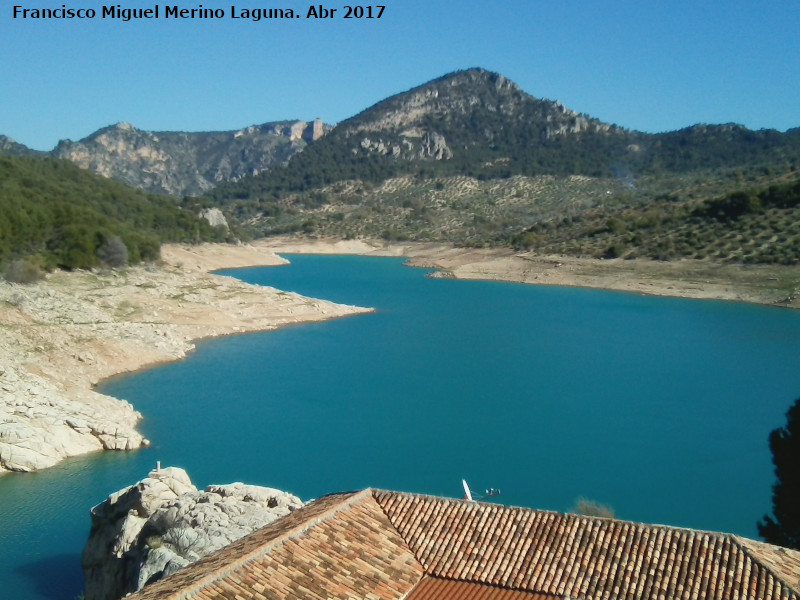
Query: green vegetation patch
{"points": [[753, 225], [53, 214]]}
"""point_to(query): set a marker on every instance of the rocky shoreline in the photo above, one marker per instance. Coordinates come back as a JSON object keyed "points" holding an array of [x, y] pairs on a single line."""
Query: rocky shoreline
{"points": [[61, 336]]}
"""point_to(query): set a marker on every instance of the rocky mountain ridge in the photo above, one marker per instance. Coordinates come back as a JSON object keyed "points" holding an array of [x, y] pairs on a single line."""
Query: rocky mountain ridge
{"points": [[181, 163], [445, 102], [471, 122], [187, 164], [14, 148]]}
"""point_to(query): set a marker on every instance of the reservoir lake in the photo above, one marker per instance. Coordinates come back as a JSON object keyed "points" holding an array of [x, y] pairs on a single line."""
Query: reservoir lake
{"points": [[657, 407]]}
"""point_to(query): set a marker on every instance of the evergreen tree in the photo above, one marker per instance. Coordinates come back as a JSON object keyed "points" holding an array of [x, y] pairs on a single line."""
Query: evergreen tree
{"points": [[783, 526]]}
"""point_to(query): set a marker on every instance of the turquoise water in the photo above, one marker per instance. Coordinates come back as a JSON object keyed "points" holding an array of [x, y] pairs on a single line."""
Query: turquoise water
{"points": [[658, 407]]}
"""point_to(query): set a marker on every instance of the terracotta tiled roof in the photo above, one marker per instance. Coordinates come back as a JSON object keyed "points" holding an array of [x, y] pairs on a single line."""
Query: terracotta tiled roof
{"points": [[377, 544], [784, 563], [583, 557], [340, 546], [434, 588]]}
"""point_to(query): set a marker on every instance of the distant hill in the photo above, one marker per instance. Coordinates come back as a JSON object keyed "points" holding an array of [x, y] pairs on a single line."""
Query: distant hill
{"points": [[187, 164], [473, 123], [57, 215], [751, 225], [181, 163]]}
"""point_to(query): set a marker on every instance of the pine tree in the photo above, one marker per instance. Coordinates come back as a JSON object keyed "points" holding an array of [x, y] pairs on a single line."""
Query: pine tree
{"points": [[783, 526]]}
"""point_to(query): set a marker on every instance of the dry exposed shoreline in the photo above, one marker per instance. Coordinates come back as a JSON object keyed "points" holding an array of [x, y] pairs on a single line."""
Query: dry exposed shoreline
{"points": [[771, 285], [59, 337]]}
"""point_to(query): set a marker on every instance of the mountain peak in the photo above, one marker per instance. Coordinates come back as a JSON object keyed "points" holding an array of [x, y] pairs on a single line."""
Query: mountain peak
{"points": [[10, 146], [477, 75], [463, 97], [472, 115]]}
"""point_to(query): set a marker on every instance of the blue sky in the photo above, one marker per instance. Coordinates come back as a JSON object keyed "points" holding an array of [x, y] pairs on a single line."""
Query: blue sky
{"points": [[645, 64]]}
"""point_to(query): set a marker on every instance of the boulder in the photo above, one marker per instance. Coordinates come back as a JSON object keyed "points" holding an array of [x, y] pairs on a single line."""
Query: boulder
{"points": [[151, 529], [215, 218]]}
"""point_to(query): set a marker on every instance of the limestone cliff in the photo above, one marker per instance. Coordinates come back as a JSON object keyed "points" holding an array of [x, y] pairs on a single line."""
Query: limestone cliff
{"points": [[153, 528], [187, 164], [215, 218]]}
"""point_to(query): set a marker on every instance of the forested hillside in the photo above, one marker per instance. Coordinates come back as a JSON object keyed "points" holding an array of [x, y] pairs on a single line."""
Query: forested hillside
{"points": [[53, 214]]}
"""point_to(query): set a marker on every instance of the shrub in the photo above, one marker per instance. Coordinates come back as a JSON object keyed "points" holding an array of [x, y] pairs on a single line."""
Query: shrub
{"points": [[614, 251], [23, 270], [113, 252], [526, 241]]}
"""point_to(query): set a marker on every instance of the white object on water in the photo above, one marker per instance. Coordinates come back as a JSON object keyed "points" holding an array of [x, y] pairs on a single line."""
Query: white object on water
{"points": [[467, 491]]}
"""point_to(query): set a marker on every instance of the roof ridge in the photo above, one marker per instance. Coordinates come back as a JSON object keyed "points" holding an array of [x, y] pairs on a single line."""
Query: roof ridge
{"points": [[519, 549], [743, 544], [374, 493], [263, 549]]}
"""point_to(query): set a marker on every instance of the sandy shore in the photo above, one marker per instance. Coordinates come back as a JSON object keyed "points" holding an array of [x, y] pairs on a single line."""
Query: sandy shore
{"points": [[61, 336], [772, 285]]}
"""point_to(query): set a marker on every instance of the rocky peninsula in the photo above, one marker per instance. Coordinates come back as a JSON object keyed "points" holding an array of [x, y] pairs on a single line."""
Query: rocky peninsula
{"points": [[61, 336]]}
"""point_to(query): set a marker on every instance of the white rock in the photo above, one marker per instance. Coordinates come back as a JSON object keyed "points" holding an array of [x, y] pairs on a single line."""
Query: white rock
{"points": [[155, 527]]}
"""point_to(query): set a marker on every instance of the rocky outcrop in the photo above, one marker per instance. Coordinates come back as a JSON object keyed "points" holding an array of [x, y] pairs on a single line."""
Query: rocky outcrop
{"points": [[40, 426], [318, 129], [434, 146], [431, 146], [153, 528], [187, 164], [9, 146], [215, 218]]}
